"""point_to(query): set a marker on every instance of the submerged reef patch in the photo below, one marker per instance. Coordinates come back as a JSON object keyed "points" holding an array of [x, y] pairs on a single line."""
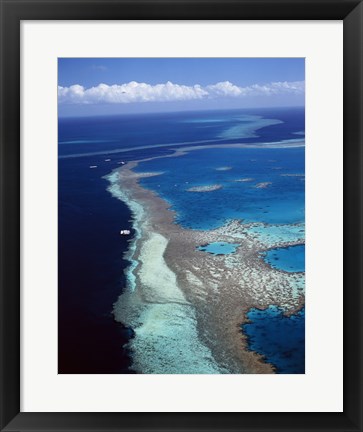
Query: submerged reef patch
{"points": [[263, 185], [247, 179], [224, 168], [208, 188]]}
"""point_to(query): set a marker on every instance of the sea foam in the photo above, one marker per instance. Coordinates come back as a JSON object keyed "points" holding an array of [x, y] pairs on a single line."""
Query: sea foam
{"points": [[137, 214]]}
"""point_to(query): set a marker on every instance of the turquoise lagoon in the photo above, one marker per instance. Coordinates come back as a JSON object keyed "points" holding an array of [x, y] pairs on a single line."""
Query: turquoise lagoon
{"points": [[219, 248]]}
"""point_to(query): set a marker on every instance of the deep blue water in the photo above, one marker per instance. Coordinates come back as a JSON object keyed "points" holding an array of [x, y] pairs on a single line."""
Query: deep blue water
{"points": [[280, 339], [90, 271], [290, 259], [90, 247], [112, 133]]}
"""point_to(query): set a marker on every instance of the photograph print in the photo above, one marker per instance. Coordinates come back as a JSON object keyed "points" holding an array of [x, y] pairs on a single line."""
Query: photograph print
{"points": [[181, 216]]}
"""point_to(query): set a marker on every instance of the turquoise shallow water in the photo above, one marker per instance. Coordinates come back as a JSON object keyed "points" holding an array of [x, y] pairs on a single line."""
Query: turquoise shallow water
{"points": [[289, 259], [254, 188], [272, 234], [219, 248]]}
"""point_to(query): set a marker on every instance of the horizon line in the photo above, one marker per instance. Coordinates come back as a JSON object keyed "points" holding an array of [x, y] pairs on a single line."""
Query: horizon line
{"points": [[177, 111]]}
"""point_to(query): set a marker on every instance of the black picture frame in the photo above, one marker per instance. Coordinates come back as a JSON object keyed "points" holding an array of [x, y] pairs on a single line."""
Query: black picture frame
{"points": [[12, 12]]}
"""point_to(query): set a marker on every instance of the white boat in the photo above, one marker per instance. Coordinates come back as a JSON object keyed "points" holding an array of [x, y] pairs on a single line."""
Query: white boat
{"points": [[125, 232], [93, 166]]}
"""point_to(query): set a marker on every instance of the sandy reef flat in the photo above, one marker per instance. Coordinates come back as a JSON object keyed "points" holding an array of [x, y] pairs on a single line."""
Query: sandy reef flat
{"points": [[186, 306]]}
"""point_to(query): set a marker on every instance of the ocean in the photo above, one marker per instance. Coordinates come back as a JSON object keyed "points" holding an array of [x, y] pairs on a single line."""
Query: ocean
{"points": [[268, 196], [263, 185]]}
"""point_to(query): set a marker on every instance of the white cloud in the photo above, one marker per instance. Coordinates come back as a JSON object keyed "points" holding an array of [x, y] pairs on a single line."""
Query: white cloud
{"points": [[226, 89], [142, 92], [297, 87]]}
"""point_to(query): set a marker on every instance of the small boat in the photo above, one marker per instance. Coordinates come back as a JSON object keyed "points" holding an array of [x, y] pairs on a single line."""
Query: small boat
{"points": [[107, 160], [93, 166], [125, 232]]}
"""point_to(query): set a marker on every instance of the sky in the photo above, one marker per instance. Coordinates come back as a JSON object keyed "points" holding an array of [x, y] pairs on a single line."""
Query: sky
{"points": [[106, 86]]}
